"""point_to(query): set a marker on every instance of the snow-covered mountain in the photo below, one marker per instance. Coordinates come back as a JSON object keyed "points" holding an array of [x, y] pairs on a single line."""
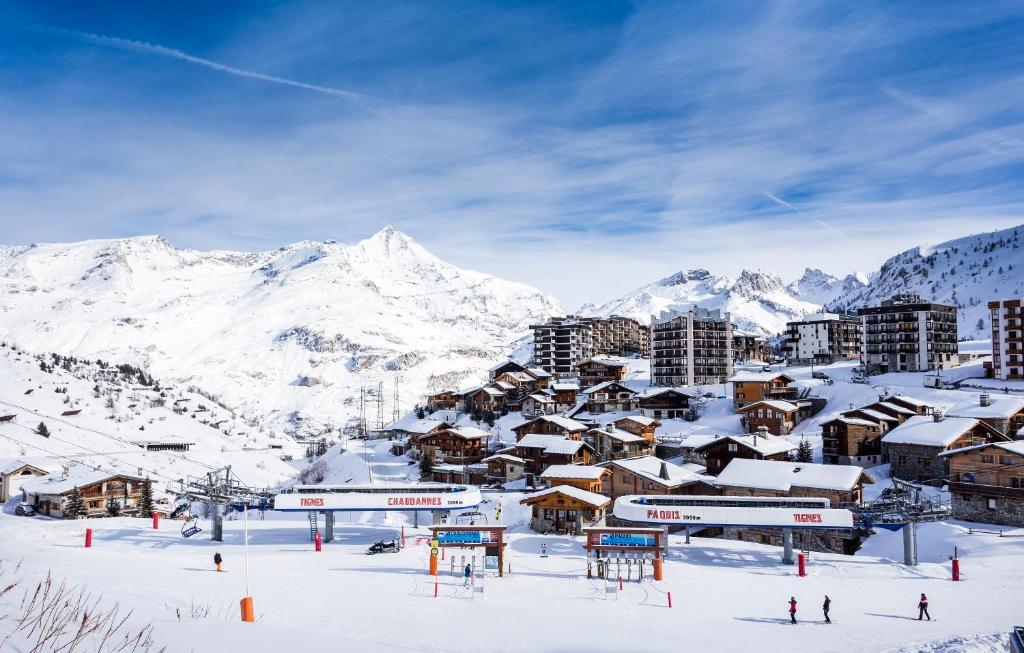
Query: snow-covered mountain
{"points": [[758, 301], [819, 287], [289, 336], [966, 272]]}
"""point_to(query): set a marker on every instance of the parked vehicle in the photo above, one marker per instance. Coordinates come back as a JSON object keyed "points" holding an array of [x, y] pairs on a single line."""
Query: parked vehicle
{"points": [[25, 510], [819, 375], [384, 546]]}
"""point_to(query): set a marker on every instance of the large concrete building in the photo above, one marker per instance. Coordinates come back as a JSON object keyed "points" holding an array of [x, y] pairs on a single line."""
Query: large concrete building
{"points": [[562, 343], [908, 334], [822, 339], [1007, 339], [618, 336], [693, 348]]}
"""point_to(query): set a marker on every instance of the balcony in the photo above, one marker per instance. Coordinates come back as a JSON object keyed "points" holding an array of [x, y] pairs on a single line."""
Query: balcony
{"points": [[959, 487]]}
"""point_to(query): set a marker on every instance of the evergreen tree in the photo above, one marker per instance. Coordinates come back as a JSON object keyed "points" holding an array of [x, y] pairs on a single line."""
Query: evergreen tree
{"points": [[420, 413], [113, 507], [489, 418], [42, 430], [146, 499], [74, 506], [476, 414], [804, 452], [426, 464]]}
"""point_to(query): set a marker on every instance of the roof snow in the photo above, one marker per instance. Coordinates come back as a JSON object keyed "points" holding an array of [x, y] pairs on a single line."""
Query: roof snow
{"points": [[620, 435], [852, 420], [604, 360], [469, 432], [924, 430], [551, 444], [564, 422], [910, 400], [1000, 407], [783, 475], [766, 445], [1016, 447], [78, 476], [565, 387], [591, 498], [504, 456], [604, 384], [639, 419], [649, 467], [418, 426], [877, 414], [757, 377], [777, 404], [903, 410], [9, 465], [574, 471], [538, 373], [654, 392]]}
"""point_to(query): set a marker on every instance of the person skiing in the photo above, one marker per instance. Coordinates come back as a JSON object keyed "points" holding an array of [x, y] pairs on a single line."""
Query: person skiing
{"points": [[825, 607], [792, 609], [217, 560], [922, 608], [466, 574]]}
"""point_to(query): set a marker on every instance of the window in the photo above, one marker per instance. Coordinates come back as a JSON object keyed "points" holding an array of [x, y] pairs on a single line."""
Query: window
{"points": [[987, 458], [1005, 460], [990, 504], [1017, 482], [902, 460], [733, 446], [922, 461]]}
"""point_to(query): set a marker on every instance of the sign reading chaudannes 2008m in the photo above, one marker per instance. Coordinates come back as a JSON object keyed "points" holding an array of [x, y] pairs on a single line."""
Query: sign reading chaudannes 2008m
{"points": [[654, 511], [433, 496]]}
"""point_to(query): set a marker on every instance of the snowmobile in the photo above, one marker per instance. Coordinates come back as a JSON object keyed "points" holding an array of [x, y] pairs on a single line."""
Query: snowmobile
{"points": [[384, 546]]}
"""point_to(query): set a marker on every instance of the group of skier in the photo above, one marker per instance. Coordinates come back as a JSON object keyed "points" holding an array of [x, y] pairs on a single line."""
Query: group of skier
{"points": [[922, 608]]}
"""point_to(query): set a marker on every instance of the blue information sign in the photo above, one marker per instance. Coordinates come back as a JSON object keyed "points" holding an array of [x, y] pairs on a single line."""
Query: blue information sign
{"points": [[626, 539]]}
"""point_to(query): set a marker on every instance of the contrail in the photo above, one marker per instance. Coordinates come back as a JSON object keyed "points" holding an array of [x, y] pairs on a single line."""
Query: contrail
{"points": [[164, 51], [821, 223]]}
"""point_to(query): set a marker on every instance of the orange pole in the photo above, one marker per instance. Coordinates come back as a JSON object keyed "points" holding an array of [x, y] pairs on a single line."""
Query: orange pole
{"points": [[247, 611], [433, 564], [658, 571]]}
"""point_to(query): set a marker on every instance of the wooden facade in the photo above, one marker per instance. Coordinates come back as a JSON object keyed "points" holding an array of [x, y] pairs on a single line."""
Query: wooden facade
{"points": [[565, 509], [667, 403], [584, 477], [923, 463], [987, 483], [538, 455], [609, 397], [455, 445], [851, 441], [719, 453], [545, 425], [752, 388], [594, 371], [444, 400], [123, 489], [779, 417], [504, 467]]}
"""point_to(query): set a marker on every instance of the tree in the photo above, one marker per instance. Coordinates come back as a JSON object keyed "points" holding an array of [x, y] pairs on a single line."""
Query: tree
{"points": [[981, 324], [74, 506], [489, 417], [426, 464], [42, 430], [420, 413], [146, 499], [804, 452], [113, 507]]}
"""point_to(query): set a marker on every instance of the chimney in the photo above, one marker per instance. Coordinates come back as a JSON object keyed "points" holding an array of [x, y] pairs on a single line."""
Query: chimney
{"points": [[762, 431], [938, 416], [984, 399], [64, 472], [663, 473]]}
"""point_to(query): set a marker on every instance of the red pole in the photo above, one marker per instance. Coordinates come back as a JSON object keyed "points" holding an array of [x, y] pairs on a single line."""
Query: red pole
{"points": [[403, 536], [156, 520], [802, 564], [956, 569], [435, 589], [88, 538], [319, 543], [670, 599], [620, 582], [442, 553]]}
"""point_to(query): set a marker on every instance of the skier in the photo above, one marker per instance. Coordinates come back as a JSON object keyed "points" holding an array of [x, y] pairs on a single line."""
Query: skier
{"points": [[217, 560], [824, 608], [466, 573], [922, 608], [792, 609]]}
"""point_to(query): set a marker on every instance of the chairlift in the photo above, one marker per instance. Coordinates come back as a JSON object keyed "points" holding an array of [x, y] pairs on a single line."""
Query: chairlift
{"points": [[471, 518], [191, 525]]}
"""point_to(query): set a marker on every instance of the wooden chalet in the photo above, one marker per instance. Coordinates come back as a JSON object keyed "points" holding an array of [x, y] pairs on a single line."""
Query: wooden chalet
{"points": [[475, 474], [752, 387], [488, 397], [501, 368], [14, 472], [851, 440], [49, 494], [566, 509], [584, 477], [720, 452], [551, 425], [458, 445], [650, 475], [626, 437], [664, 403], [609, 397], [1005, 414], [444, 400], [777, 416], [539, 403], [565, 394], [986, 483], [914, 447], [504, 467], [541, 451], [593, 371]]}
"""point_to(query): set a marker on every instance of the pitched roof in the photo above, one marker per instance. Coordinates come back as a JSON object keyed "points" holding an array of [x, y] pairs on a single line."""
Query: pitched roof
{"points": [[766, 445], [591, 498], [924, 430], [552, 444], [758, 377], [654, 392], [78, 476], [538, 373], [783, 475], [903, 410], [603, 360], [777, 404], [851, 420], [468, 432], [8, 465], [876, 414], [566, 423], [649, 467], [605, 384], [505, 385], [418, 426], [564, 387], [1015, 446], [504, 456], [911, 400], [589, 472], [639, 419], [999, 407], [619, 434]]}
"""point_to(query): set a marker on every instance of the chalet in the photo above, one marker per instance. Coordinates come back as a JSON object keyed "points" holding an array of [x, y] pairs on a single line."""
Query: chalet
{"points": [[1004, 414], [779, 417], [551, 425], [842, 484], [609, 397], [407, 431], [597, 370], [584, 477], [986, 483], [541, 451], [901, 413], [564, 508], [611, 443], [542, 378], [487, 397], [565, 394], [49, 494], [638, 425], [664, 403], [475, 474], [444, 400], [15, 471], [539, 403], [459, 445], [650, 475], [684, 447], [504, 467], [721, 451], [849, 440], [919, 407], [885, 421], [913, 447], [506, 366], [752, 387]]}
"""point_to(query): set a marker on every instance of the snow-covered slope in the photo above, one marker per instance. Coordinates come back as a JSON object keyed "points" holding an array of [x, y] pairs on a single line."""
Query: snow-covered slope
{"points": [[822, 288], [967, 272], [289, 335], [758, 301]]}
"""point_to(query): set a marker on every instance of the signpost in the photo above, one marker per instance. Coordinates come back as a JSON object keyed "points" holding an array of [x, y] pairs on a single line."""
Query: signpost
{"points": [[628, 543], [489, 538]]}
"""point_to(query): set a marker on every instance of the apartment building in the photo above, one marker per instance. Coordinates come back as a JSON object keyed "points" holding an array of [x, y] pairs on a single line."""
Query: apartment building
{"points": [[562, 343], [822, 339], [908, 334], [693, 348], [1007, 339], [618, 336]]}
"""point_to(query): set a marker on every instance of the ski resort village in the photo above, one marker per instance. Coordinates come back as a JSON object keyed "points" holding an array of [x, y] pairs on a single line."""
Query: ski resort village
{"points": [[699, 464]]}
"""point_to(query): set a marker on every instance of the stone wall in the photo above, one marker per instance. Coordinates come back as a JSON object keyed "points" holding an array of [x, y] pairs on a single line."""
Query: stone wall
{"points": [[933, 467], [974, 507]]}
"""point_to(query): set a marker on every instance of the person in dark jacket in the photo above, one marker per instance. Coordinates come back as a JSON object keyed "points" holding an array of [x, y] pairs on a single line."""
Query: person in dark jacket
{"points": [[467, 573], [792, 609], [922, 608], [217, 560], [825, 607]]}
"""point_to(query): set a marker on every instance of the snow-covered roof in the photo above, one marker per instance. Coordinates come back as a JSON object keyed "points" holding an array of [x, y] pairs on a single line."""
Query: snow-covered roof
{"points": [[78, 476], [999, 407], [468, 432], [589, 472], [766, 445], [505, 385], [504, 456], [877, 414], [538, 373], [592, 498], [603, 360], [691, 441], [564, 422], [411, 424], [783, 475], [654, 392], [639, 419], [562, 386], [551, 444], [649, 467], [8, 465], [504, 363], [494, 392], [924, 430], [758, 377], [1016, 447], [903, 410], [852, 421], [913, 401], [605, 384], [776, 404], [542, 398], [619, 434]]}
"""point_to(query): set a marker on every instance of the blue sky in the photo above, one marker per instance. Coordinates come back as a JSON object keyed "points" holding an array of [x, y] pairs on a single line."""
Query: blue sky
{"points": [[586, 148]]}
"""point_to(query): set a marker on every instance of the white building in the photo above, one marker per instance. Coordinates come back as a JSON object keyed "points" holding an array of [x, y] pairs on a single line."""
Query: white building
{"points": [[909, 334], [1007, 339], [822, 338]]}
